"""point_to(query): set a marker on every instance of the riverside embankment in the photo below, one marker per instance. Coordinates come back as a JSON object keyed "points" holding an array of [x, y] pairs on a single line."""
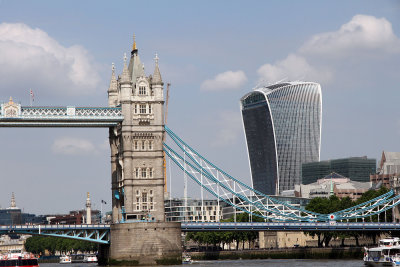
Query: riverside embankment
{"points": [[290, 253]]}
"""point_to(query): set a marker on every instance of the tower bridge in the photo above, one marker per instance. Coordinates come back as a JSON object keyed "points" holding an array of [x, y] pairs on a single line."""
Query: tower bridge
{"points": [[135, 118]]}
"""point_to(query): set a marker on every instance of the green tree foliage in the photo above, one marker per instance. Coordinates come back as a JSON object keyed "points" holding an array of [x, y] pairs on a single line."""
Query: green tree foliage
{"points": [[226, 237], [39, 244], [333, 204]]}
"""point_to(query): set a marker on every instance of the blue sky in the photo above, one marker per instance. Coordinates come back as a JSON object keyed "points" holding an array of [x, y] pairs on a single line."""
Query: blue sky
{"points": [[212, 52]]}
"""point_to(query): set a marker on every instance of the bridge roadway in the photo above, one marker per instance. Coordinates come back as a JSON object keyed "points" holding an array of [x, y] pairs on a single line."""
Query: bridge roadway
{"points": [[100, 233]]}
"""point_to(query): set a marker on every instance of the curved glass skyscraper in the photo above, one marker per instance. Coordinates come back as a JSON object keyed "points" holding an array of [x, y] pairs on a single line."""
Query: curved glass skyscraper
{"points": [[282, 123]]}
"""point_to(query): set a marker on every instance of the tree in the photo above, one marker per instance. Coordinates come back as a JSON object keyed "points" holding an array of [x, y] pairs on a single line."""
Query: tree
{"points": [[39, 244]]}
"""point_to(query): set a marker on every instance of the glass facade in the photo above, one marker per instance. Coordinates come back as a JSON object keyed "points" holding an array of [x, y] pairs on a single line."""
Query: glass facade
{"points": [[282, 124], [355, 168]]}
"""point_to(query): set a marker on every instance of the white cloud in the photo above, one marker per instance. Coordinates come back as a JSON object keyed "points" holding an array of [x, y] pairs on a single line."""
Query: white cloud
{"points": [[293, 67], [30, 57], [362, 33], [225, 81], [228, 129], [73, 146], [316, 60]]}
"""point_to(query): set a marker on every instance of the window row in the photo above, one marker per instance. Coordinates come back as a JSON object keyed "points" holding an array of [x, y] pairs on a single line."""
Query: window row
{"points": [[143, 109], [145, 192], [143, 145], [143, 173]]}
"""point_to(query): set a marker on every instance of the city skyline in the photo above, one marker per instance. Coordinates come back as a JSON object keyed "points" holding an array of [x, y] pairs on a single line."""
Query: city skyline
{"points": [[63, 53]]}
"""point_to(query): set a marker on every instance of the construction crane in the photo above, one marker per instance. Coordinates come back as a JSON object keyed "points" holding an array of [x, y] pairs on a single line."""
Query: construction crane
{"points": [[165, 122]]}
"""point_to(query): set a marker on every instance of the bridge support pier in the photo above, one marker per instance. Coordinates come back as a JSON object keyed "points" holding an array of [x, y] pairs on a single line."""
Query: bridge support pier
{"points": [[146, 243]]}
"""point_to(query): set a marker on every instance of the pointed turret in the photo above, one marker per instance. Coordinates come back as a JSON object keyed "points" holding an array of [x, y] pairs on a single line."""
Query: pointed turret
{"points": [[156, 82], [126, 84], [113, 89], [125, 78], [135, 67], [157, 75]]}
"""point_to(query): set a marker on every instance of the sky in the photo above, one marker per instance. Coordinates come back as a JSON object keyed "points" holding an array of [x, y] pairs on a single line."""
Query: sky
{"points": [[212, 53]]}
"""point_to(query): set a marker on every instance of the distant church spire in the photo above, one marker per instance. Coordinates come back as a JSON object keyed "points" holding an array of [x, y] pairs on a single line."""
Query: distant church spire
{"points": [[157, 75], [13, 204]]}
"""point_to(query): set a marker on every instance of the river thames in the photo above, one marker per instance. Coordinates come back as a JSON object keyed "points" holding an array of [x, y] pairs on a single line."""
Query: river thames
{"points": [[253, 263]]}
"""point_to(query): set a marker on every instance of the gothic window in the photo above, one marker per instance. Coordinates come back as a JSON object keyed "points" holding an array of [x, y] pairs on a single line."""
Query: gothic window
{"points": [[137, 176], [142, 90], [150, 172], [151, 199], [144, 207], [150, 111], [135, 145], [138, 199], [137, 192], [151, 207], [142, 108], [143, 173], [144, 197], [137, 207], [150, 145], [151, 192], [143, 145], [135, 109]]}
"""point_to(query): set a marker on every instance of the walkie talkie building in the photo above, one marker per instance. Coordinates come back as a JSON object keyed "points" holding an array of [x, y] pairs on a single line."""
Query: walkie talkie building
{"points": [[282, 123]]}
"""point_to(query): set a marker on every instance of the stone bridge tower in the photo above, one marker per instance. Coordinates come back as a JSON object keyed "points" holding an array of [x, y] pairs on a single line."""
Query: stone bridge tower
{"points": [[137, 150], [137, 167]]}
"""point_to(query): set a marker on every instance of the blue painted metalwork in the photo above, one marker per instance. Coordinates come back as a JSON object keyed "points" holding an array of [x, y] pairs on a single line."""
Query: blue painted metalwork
{"points": [[257, 203], [288, 226], [96, 233]]}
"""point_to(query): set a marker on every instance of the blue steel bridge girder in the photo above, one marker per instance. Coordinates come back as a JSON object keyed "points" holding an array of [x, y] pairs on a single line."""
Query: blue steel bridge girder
{"points": [[244, 198], [288, 226], [96, 233]]}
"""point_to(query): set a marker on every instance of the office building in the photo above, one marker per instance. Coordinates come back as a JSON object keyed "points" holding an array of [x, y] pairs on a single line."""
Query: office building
{"points": [[388, 172], [333, 184], [195, 210], [355, 168], [282, 124]]}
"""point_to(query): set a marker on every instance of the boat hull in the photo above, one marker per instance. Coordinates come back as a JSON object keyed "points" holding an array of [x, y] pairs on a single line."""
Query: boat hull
{"points": [[19, 262]]}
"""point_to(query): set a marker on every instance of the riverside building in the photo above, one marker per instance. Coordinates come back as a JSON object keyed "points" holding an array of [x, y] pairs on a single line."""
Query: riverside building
{"points": [[282, 124]]}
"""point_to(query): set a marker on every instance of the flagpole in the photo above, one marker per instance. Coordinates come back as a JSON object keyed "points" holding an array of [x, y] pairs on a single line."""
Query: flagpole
{"points": [[30, 97]]}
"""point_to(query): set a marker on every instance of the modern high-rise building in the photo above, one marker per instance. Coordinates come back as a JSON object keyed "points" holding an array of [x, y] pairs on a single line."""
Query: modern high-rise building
{"points": [[355, 168], [282, 123]]}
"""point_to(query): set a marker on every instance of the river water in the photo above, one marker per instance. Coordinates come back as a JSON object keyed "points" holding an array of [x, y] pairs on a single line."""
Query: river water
{"points": [[251, 263]]}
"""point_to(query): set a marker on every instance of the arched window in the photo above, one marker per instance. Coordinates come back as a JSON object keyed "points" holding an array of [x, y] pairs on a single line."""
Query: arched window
{"points": [[144, 173]]}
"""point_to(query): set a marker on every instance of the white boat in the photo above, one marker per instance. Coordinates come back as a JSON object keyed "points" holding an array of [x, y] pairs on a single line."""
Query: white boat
{"points": [[65, 259], [384, 254], [186, 259], [396, 260], [90, 258]]}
